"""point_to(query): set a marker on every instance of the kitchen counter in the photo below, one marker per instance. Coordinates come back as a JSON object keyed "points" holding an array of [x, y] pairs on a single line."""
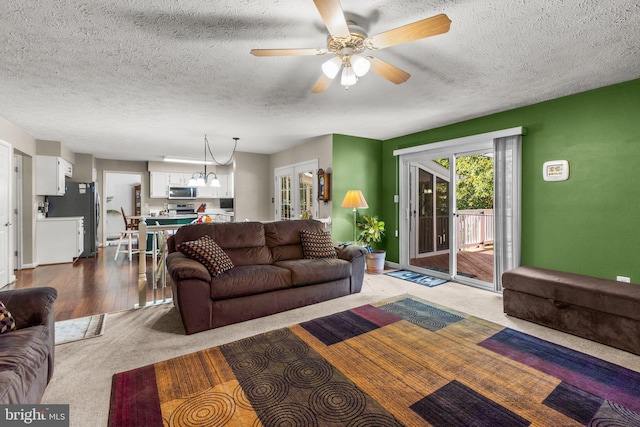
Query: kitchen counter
{"points": [[62, 218], [59, 239]]}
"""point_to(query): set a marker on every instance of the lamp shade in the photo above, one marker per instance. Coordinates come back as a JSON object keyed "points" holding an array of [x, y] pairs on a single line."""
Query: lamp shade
{"points": [[348, 77], [331, 67], [360, 65], [354, 199]]}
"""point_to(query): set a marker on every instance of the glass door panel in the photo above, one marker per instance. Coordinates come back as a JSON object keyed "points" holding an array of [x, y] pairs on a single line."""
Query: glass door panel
{"points": [[284, 208], [425, 212], [305, 194], [430, 200], [474, 216]]}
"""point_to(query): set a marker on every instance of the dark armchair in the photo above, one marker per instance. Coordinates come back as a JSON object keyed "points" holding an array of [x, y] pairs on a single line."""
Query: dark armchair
{"points": [[26, 354]]}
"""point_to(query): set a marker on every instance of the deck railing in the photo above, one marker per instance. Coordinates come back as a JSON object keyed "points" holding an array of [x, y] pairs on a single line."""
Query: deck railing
{"points": [[475, 227]]}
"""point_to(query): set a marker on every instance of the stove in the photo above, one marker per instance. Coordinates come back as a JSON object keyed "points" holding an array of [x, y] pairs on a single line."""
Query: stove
{"points": [[181, 209]]}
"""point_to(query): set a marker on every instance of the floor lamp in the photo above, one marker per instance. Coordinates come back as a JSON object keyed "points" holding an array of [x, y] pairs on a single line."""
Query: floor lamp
{"points": [[354, 199]]}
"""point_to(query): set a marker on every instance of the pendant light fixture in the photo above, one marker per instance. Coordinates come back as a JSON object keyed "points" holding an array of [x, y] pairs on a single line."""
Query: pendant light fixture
{"points": [[201, 179]]}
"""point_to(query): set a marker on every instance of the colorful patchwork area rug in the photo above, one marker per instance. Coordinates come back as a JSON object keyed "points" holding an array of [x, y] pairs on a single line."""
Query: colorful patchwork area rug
{"points": [[421, 279], [399, 362]]}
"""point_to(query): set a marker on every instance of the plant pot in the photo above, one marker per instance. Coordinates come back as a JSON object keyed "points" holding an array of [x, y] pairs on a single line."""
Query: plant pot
{"points": [[375, 262]]}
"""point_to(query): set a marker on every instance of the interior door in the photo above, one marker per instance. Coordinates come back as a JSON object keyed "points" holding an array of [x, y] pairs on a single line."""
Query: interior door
{"points": [[5, 219]]}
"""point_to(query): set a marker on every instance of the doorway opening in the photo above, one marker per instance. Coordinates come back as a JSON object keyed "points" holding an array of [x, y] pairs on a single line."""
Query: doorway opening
{"points": [[295, 188], [460, 207], [451, 209], [119, 194]]}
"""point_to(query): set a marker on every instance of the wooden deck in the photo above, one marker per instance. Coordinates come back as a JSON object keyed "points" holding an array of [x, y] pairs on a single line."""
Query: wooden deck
{"points": [[90, 285], [476, 263]]}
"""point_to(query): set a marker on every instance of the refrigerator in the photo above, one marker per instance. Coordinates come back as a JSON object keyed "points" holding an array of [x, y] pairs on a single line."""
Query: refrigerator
{"points": [[80, 199]]}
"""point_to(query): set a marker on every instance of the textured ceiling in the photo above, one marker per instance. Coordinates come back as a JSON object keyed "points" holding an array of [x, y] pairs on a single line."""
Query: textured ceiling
{"points": [[128, 79]]}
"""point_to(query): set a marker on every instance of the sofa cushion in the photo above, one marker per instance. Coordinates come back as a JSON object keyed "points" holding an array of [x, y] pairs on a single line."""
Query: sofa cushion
{"points": [[283, 237], [208, 253], [317, 245], [7, 322], [249, 280], [243, 242], [24, 351], [312, 271]]}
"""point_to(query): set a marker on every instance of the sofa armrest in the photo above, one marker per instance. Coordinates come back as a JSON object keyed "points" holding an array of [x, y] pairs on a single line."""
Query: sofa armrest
{"points": [[30, 306], [350, 252], [181, 267]]}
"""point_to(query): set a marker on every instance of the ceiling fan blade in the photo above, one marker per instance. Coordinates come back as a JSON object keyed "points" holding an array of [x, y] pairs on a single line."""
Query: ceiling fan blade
{"points": [[287, 52], [322, 84], [433, 26], [388, 71], [333, 17]]}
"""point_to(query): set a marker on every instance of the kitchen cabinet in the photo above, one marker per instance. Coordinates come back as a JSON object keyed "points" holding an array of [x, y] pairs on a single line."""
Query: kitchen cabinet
{"points": [[225, 190], [158, 185], [179, 179], [50, 175], [59, 239], [226, 185]]}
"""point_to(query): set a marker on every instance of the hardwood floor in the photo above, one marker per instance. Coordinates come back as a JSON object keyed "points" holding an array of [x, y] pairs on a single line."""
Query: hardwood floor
{"points": [[478, 263], [90, 285], [101, 285]]}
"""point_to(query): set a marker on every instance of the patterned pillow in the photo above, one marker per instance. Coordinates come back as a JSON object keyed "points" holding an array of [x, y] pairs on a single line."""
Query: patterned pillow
{"points": [[317, 245], [207, 252], [7, 322]]}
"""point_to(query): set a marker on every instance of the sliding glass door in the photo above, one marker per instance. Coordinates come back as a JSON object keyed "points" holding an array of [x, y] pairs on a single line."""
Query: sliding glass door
{"points": [[459, 215], [429, 201]]}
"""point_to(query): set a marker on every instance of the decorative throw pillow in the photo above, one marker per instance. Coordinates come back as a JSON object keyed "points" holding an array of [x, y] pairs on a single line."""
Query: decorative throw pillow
{"points": [[7, 322], [317, 245], [206, 251]]}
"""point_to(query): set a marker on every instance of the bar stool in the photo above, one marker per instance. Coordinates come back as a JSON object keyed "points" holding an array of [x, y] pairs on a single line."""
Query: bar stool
{"points": [[129, 233]]}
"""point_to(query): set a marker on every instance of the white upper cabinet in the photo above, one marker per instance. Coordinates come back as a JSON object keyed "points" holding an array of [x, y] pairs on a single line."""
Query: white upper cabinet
{"points": [[50, 175], [158, 185]]}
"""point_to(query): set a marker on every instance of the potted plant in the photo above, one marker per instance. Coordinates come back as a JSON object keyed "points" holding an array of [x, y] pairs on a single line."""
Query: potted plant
{"points": [[372, 232]]}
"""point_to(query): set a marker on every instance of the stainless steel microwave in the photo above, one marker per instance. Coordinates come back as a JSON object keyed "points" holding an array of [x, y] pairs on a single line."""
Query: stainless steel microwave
{"points": [[182, 193]]}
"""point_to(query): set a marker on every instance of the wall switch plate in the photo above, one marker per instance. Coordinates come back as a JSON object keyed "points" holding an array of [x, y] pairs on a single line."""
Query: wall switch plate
{"points": [[395, 198], [623, 279]]}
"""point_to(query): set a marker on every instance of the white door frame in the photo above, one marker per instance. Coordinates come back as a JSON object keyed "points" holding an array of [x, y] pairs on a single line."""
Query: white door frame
{"points": [[103, 201], [293, 171], [6, 227], [435, 150], [17, 208]]}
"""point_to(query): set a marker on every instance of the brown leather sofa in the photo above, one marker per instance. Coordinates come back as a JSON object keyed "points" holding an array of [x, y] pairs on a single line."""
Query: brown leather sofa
{"points": [[26, 354], [270, 273]]}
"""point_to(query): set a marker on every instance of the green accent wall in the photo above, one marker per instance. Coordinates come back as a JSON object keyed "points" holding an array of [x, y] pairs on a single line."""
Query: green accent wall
{"points": [[589, 224], [355, 166]]}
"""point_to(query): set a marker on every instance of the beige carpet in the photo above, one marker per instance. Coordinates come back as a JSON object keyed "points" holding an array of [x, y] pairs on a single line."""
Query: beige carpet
{"points": [[84, 369]]}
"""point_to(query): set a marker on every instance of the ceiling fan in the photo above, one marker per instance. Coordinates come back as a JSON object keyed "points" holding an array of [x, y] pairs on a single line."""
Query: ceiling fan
{"points": [[347, 41]]}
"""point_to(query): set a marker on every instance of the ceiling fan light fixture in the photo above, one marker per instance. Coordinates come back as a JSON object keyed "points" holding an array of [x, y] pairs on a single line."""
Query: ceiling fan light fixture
{"points": [[360, 65], [331, 67], [349, 77]]}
